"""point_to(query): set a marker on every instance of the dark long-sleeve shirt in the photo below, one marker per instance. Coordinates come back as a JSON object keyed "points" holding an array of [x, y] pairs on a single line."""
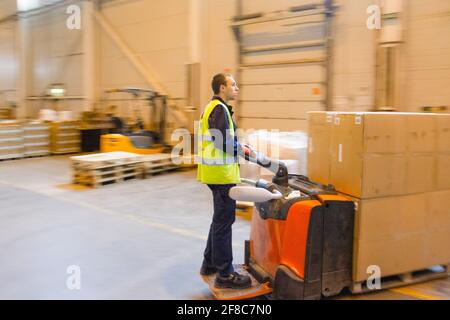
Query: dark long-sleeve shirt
{"points": [[218, 121]]}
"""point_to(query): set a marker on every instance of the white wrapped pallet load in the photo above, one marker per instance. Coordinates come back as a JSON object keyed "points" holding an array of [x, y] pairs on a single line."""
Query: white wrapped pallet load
{"points": [[65, 116], [289, 147], [249, 170], [47, 115]]}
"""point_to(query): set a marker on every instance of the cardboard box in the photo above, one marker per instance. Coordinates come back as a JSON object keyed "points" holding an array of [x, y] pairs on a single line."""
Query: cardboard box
{"points": [[375, 175], [443, 133], [401, 234], [421, 132], [385, 218], [420, 173], [367, 158], [380, 133], [319, 131], [393, 256], [442, 171], [438, 247], [382, 175], [384, 133], [438, 211], [438, 227], [372, 155]]}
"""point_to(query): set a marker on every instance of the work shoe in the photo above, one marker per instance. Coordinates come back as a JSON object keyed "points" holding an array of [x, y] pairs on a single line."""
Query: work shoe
{"points": [[207, 271], [233, 281]]}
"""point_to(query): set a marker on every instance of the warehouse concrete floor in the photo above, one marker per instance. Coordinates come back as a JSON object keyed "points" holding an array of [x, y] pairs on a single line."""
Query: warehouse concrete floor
{"points": [[140, 239]]}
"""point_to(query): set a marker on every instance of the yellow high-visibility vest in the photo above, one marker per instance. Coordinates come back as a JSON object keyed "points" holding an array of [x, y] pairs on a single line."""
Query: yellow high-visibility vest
{"points": [[214, 165]]}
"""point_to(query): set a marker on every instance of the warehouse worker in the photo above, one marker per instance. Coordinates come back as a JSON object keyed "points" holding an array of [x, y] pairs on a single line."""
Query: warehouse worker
{"points": [[218, 151]]}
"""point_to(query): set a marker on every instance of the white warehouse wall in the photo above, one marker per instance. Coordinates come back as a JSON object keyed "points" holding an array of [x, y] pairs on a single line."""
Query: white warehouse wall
{"points": [[8, 50], [155, 31], [354, 58], [158, 31], [219, 45], [8, 63]]}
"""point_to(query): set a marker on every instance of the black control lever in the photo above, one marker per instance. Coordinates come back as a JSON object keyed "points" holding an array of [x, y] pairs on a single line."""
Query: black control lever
{"points": [[280, 170]]}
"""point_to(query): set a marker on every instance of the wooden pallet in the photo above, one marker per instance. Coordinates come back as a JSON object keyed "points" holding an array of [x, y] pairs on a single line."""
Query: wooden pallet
{"points": [[104, 160], [107, 174], [156, 163], [15, 156], [11, 132], [404, 279], [65, 137], [35, 154], [110, 167]]}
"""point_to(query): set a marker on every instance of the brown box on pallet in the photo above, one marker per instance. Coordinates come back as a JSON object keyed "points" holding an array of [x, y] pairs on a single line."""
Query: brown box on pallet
{"points": [[319, 131], [438, 228], [443, 133], [404, 254], [382, 154], [382, 132], [420, 173], [438, 211], [378, 176], [401, 234], [367, 154], [383, 218], [421, 132], [442, 178]]}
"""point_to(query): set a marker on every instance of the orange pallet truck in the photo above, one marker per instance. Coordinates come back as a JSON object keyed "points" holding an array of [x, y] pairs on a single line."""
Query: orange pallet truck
{"points": [[301, 238]]}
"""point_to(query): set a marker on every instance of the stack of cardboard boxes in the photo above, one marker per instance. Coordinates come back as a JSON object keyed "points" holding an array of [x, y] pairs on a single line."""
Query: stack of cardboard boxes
{"points": [[396, 167]]}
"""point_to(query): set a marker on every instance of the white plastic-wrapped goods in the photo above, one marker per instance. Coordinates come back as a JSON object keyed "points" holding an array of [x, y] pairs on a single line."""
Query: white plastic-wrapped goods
{"points": [[289, 147]]}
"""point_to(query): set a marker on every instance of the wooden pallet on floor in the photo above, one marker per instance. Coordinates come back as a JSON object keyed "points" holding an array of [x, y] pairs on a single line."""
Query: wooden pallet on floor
{"points": [[36, 154], [98, 169], [65, 137], [11, 156], [105, 160], [107, 174], [156, 163], [404, 279]]}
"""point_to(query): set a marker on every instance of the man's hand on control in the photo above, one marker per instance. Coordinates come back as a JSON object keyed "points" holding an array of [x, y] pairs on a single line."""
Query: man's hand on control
{"points": [[248, 150]]}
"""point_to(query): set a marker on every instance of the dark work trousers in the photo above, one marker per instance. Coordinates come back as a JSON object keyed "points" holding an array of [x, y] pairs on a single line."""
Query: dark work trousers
{"points": [[218, 252]]}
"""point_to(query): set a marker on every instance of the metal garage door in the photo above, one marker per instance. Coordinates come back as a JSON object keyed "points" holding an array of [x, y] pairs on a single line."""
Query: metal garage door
{"points": [[283, 63]]}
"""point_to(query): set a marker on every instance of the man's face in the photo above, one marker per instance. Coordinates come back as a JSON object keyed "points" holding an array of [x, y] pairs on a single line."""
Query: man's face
{"points": [[231, 90]]}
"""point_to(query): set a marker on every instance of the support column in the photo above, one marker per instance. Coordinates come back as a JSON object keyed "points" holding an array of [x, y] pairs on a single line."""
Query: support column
{"points": [[89, 54], [23, 66]]}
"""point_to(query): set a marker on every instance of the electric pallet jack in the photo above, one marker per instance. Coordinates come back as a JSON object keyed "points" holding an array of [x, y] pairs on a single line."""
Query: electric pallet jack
{"points": [[301, 238]]}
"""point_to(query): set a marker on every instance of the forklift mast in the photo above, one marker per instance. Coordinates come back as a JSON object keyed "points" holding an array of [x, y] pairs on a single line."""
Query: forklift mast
{"points": [[157, 103]]}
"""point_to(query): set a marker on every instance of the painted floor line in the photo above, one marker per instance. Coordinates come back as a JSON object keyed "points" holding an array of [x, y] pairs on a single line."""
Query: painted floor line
{"points": [[145, 221], [415, 294]]}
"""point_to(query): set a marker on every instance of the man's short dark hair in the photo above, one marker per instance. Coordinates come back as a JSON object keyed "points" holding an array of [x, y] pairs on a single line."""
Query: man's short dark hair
{"points": [[218, 80]]}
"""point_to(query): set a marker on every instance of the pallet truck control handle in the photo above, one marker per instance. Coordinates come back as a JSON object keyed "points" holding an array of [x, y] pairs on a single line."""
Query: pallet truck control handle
{"points": [[252, 194]]}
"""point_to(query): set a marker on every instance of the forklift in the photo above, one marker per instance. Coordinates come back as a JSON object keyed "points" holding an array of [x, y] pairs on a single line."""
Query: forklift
{"points": [[301, 238], [141, 141]]}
